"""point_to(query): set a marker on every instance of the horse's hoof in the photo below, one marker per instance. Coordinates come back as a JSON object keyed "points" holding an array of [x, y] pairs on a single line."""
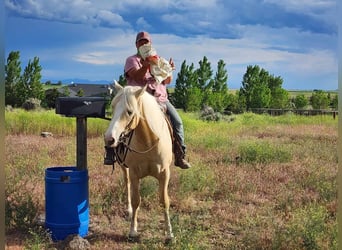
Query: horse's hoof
{"points": [[134, 238], [169, 240]]}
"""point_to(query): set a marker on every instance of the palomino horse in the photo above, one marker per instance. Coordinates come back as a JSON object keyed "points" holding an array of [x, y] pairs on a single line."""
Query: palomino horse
{"points": [[139, 130]]}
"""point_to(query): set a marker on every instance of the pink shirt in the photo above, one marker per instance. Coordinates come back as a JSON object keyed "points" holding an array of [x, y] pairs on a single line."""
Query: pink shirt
{"points": [[158, 90]]}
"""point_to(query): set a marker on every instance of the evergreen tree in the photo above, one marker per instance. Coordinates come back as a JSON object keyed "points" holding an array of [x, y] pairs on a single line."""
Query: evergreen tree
{"points": [[185, 82], [218, 98], [12, 77], [193, 99], [181, 86], [204, 80], [204, 74], [221, 77]]}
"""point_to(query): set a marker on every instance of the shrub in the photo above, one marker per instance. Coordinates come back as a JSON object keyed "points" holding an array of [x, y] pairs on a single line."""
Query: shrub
{"points": [[305, 229], [208, 114], [20, 210], [31, 104]]}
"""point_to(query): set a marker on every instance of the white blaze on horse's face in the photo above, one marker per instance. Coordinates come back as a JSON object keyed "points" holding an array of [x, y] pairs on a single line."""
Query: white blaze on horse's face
{"points": [[125, 115], [117, 126]]}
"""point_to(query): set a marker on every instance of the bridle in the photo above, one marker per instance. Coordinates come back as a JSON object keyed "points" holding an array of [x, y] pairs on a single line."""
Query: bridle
{"points": [[124, 144]]}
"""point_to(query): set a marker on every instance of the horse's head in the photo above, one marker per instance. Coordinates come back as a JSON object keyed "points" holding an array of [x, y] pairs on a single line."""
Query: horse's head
{"points": [[125, 113]]}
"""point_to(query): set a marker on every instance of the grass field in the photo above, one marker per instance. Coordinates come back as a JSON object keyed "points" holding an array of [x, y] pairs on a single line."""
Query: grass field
{"points": [[257, 182]]}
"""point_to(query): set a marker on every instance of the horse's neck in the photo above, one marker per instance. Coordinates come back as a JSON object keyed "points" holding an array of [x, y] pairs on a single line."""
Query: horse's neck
{"points": [[145, 133]]}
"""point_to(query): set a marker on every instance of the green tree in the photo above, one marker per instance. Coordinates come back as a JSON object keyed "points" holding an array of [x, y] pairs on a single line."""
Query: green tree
{"points": [[204, 74], [334, 102], [218, 98], [12, 77], [319, 100], [80, 92], [301, 101], [66, 91], [242, 100], [204, 79], [221, 77], [185, 82], [30, 85], [193, 100], [271, 92], [253, 79], [279, 98], [181, 86], [260, 96], [51, 96]]}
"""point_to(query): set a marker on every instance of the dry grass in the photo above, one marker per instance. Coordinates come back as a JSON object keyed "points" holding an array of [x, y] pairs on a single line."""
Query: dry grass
{"points": [[223, 202]]}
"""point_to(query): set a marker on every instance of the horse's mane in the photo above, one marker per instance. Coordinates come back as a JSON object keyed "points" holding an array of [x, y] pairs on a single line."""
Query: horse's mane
{"points": [[129, 102], [152, 112]]}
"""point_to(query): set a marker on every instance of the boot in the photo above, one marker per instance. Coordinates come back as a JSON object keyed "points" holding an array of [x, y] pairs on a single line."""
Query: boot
{"points": [[180, 156], [109, 158], [181, 162]]}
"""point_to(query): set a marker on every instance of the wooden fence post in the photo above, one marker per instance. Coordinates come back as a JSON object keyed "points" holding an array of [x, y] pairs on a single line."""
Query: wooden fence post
{"points": [[81, 139]]}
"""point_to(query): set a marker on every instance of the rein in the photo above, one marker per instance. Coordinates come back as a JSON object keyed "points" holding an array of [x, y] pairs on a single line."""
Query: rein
{"points": [[124, 146], [127, 145]]}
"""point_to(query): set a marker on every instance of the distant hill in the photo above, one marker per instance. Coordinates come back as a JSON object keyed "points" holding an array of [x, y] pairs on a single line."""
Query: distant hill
{"points": [[78, 80]]}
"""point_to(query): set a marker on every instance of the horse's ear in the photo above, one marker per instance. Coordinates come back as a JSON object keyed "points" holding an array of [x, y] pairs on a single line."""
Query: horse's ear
{"points": [[117, 86], [140, 91]]}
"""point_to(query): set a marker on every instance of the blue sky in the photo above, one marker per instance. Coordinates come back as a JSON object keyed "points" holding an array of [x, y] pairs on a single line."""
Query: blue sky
{"points": [[90, 39]]}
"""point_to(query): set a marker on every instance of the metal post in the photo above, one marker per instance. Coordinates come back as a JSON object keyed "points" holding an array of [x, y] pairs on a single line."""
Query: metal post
{"points": [[81, 143]]}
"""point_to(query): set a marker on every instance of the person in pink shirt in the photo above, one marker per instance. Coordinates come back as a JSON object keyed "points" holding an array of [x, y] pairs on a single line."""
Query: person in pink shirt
{"points": [[137, 73]]}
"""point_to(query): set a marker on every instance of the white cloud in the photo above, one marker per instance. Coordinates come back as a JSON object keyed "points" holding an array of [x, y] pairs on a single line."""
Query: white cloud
{"points": [[176, 25], [70, 11], [325, 10], [303, 5], [248, 50], [111, 19], [142, 24]]}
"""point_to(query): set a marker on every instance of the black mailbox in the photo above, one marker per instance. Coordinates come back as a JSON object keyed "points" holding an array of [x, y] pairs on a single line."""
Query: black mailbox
{"points": [[81, 106]]}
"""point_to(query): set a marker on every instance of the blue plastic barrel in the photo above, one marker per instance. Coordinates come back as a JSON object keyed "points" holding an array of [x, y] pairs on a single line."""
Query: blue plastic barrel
{"points": [[66, 202]]}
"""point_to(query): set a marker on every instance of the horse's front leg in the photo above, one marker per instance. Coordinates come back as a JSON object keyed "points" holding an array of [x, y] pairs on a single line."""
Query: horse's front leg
{"points": [[165, 202], [128, 191], [135, 195]]}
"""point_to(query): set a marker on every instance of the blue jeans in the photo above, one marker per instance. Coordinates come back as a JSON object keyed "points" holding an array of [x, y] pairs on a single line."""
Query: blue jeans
{"points": [[177, 123]]}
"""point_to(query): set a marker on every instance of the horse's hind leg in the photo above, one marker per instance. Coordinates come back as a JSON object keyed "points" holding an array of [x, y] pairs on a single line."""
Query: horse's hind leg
{"points": [[135, 199], [165, 202]]}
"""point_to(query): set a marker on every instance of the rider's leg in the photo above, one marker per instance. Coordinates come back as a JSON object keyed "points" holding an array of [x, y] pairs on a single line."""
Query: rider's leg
{"points": [[178, 131]]}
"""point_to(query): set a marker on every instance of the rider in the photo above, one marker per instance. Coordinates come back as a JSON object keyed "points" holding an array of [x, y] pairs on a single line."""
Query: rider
{"points": [[137, 73]]}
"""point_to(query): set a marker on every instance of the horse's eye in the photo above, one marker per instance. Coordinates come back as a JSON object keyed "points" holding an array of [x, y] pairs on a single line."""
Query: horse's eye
{"points": [[129, 113]]}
